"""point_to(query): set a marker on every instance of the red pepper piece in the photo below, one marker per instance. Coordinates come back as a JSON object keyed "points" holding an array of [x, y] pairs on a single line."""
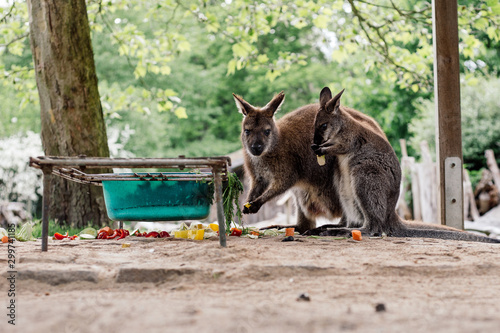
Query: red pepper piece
{"points": [[123, 234], [115, 233], [60, 236], [102, 235], [235, 232], [73, 237], [164, 234], [153, 234]]}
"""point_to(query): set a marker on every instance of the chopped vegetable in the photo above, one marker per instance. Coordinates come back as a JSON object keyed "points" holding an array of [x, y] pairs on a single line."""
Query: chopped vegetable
{"points": [[164, 234], [289, 231], [248, 205], [108, 230], [356, 235], [181, 234], [236, 232], [3, 232], [88, 231], [153, 234], [214, 226], [199, 234], [26, 232], [255, 233], [124, 233], [102, 235], [321, 160], [87, 236], [5, 239], [59, 236]]}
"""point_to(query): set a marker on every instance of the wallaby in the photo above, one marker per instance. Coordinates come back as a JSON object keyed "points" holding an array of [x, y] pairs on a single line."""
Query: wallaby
{"points": [[367, 177], [278, 157]]}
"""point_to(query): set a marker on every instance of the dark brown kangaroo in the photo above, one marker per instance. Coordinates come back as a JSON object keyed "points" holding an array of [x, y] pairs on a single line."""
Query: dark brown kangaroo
{"points": [[367, 177], [278, 157]]}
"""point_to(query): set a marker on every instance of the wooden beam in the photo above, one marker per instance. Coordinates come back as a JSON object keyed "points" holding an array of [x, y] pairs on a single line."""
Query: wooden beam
{"points": [[447, 99]]}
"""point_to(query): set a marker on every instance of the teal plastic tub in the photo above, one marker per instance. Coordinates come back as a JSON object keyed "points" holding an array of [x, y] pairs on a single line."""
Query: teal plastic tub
{"points": [[143, 200]]}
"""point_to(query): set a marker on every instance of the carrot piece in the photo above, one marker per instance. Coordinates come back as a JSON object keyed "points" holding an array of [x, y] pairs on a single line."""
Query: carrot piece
{"points": [[5, 239], [356, 235], [289, 231], [108, 230]]}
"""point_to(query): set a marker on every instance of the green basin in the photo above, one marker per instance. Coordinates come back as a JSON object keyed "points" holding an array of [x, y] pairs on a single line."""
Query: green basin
{"points": [[142, 200]]}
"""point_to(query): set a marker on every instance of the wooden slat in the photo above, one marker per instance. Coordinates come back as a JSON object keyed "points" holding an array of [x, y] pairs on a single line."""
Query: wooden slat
{"points": [[447, 97]]}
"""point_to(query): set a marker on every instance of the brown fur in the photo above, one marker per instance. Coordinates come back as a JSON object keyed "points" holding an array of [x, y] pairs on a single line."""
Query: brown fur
{"points": [[367, 176], [283, 160]]}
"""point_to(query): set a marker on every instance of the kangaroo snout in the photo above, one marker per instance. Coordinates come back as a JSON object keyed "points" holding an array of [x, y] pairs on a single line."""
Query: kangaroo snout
{"points": [[256, 149], [314, 147]]}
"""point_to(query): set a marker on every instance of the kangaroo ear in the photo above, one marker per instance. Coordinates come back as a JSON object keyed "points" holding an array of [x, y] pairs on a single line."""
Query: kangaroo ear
{"points": [[243, 106], [334, 104], [325, 96], [274, 105]]}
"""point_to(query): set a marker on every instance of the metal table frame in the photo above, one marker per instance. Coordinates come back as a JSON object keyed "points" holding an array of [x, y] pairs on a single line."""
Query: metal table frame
{"points": [[72, 168]]}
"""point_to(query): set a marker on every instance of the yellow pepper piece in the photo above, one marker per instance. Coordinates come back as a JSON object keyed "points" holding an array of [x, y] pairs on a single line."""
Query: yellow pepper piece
{"points": [[181, 234], [199, 234], [248, 205], [214, 226], [321, 160]]}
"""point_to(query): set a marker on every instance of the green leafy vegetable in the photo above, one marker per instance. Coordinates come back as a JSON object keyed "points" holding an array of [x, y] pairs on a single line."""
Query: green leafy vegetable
{"points": [[26, 232], [230, 198]]}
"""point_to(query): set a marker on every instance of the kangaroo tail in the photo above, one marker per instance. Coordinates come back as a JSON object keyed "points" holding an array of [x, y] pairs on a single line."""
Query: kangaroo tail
{"points": [[418, 229]]}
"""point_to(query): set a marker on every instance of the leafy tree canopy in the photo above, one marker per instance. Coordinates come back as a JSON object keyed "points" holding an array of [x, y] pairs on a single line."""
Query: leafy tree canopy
{"points": [[172, 59]]}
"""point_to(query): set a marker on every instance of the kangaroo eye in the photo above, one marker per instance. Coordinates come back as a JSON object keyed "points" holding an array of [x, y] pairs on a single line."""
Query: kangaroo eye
{"points": [[247, 132], [324, 126], [267, 132]]}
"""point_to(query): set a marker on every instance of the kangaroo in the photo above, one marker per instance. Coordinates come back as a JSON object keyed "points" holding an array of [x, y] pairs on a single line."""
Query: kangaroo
{"points": [[278, 157], [367, 177]]}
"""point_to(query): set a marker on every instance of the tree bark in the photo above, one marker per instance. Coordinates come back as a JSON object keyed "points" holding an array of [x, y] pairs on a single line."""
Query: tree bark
{"points": [[71, 113]]}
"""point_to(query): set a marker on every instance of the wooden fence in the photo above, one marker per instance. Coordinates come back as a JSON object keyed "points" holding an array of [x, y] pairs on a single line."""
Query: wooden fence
{"points": [[420, 181]]}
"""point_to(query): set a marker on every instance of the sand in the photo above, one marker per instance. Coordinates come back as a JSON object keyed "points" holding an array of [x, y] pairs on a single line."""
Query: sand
{"points": [[264, 285]]}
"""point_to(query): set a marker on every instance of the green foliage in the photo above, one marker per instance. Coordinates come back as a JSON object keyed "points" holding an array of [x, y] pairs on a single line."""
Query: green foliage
{"points": [[230, 197], [161, 61], [55, 227], [480, 109]]}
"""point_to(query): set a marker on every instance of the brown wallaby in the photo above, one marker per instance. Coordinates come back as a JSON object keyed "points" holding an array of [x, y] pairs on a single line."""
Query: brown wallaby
{"points": [[278, 157], [367, 177]]}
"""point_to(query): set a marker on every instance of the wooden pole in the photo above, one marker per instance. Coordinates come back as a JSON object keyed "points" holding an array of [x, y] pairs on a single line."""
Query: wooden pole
{"points": [[220, 210], [493, 166], [447, 97]]}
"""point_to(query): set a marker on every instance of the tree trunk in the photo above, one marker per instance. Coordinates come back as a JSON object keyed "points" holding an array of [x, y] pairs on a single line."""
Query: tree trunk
{"points": [[71, 114]]}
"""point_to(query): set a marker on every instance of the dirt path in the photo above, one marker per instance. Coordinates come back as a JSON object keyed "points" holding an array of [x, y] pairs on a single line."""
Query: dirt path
{"points": [[253, 286]]}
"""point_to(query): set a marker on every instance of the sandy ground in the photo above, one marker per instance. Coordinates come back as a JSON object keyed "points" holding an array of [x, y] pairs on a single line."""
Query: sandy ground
{"points": [[254, 286]]}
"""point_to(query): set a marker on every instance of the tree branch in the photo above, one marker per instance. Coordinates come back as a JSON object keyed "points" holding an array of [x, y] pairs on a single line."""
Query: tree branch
{"points": [[14, 40], [4, 18], [383, 49]]}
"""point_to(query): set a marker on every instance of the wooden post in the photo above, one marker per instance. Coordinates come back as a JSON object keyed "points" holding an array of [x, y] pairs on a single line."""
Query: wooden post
{"points": [[493, 166], [218, 201], [47, 181], [447, 97]]}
